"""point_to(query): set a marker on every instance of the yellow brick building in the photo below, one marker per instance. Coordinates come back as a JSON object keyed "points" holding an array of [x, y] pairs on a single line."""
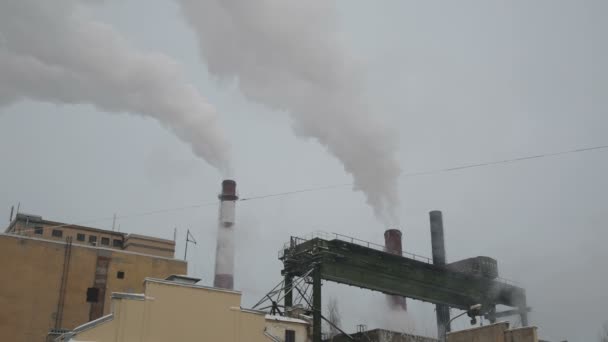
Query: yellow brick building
{"points": [[180, 310], [52, 283]]}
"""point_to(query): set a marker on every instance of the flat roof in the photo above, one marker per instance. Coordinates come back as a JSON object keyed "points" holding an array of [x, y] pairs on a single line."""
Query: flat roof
{"points": [[37, 219], [113, 250], [194, 286]]}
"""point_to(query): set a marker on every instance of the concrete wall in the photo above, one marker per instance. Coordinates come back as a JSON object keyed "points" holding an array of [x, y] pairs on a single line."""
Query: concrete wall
{"points": [[35, 226], [26, 228], [149, 245], [31, 277], [277, 325], [498, 332], [526, 334], [381, 335], [489, 333], [176, 312]]}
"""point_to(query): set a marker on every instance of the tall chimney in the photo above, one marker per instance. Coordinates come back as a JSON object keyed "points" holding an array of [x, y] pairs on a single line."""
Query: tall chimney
{"points": [[224, 253], [438, 246], [392, 244]]}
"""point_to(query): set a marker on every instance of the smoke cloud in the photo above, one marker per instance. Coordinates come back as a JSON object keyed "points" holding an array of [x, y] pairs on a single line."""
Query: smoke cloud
{"points": [[50, 52], [287, 55]]}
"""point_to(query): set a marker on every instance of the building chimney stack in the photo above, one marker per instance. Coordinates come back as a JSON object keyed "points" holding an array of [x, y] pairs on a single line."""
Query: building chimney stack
{"points": [[224, 254], [393, 244]]}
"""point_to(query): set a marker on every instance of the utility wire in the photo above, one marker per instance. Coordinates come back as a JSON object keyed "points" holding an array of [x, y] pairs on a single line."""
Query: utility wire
{"points": [[342, 185], [326, 187], [147, 213], [506, 161], [436, 171]]}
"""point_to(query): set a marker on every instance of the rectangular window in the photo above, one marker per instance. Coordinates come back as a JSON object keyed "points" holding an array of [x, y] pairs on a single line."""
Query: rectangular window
{"points": [[117, 243], [105, 241], [290, 335], [120, 275], [57, 233], [92, 239], [80, 237], [92, 295], [38, 230]]}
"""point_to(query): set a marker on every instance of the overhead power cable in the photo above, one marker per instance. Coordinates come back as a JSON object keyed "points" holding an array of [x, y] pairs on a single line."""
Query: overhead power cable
{"points": [[341, 185], [430, 172], [147, 213]]}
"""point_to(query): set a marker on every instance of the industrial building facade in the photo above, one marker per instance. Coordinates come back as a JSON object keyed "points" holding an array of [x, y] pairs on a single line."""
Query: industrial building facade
{"points": [[183, 311], [36, 226], [50, 284]]}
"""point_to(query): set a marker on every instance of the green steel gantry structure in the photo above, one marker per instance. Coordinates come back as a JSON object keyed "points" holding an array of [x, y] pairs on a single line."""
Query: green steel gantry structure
{"points": [[353, 262]]}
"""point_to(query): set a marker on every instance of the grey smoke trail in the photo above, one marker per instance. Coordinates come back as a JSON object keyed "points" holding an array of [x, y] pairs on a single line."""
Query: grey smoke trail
{"points": [[50, 52], [287, 56]]}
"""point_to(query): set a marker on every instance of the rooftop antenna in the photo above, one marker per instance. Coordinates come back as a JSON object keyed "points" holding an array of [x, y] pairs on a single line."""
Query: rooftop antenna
{"points": [[10, 219], [189, 238], [18, 206], [114, 222], [174, 234]]}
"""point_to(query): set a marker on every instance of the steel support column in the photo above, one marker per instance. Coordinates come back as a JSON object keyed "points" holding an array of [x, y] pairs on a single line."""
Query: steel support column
{"points": [[438, 247], [316, 302], [288, 290], [523, 313]]}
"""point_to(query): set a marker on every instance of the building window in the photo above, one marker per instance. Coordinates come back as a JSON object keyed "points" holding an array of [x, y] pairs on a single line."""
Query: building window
{"points": [[57, 233], [120, 275], [92, 295], [38, 230], [105, 241], [290, 335], [80, 237], [92, 239], [117, 243]]}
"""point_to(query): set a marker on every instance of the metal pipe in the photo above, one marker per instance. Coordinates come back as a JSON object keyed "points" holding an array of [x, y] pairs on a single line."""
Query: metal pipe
{"points": [[442, 311], [288, 290], [316, 302]]}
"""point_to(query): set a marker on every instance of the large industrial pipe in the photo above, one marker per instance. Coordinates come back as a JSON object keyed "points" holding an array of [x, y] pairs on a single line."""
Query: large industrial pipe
{"points": [[438, 248], [224, 254], [437, 241], [393, 244]]}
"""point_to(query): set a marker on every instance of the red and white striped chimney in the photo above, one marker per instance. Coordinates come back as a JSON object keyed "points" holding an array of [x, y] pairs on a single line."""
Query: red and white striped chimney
{"points": [[392, 244], [224, 254]]}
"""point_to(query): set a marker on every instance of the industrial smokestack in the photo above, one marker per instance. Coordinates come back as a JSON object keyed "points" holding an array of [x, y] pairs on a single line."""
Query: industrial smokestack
{"points": [[438, 247], [224, 254], [392, 244]]}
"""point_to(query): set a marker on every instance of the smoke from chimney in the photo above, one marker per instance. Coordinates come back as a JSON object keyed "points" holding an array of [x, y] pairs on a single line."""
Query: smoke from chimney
{"points": [[224, 253], [51, 52], [287, 55]]}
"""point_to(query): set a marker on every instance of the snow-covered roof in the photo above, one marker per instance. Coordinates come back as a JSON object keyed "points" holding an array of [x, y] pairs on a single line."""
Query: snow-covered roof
{"points": [[285, 319]]}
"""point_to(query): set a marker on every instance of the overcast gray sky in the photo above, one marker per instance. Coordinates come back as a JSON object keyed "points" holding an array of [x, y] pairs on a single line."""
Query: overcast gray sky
{"points": [[461, 82]]}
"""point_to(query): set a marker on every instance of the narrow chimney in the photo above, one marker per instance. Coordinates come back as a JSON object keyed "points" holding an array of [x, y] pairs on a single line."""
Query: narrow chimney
{"points": [[392, 244], [224, 254]]}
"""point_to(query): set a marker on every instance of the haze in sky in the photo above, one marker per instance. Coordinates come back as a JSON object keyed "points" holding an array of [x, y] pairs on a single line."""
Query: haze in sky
{"points": [[459, 83]]}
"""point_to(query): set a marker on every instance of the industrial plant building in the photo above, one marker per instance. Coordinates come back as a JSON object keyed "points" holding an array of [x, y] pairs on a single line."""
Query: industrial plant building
{"points": [[64, 282], [498, 332], [57, 276], [177, 309]]}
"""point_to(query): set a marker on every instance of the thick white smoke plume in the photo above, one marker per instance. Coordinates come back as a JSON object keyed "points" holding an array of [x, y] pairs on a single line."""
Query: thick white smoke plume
{"points": [[287, 55], [50, 52]]}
